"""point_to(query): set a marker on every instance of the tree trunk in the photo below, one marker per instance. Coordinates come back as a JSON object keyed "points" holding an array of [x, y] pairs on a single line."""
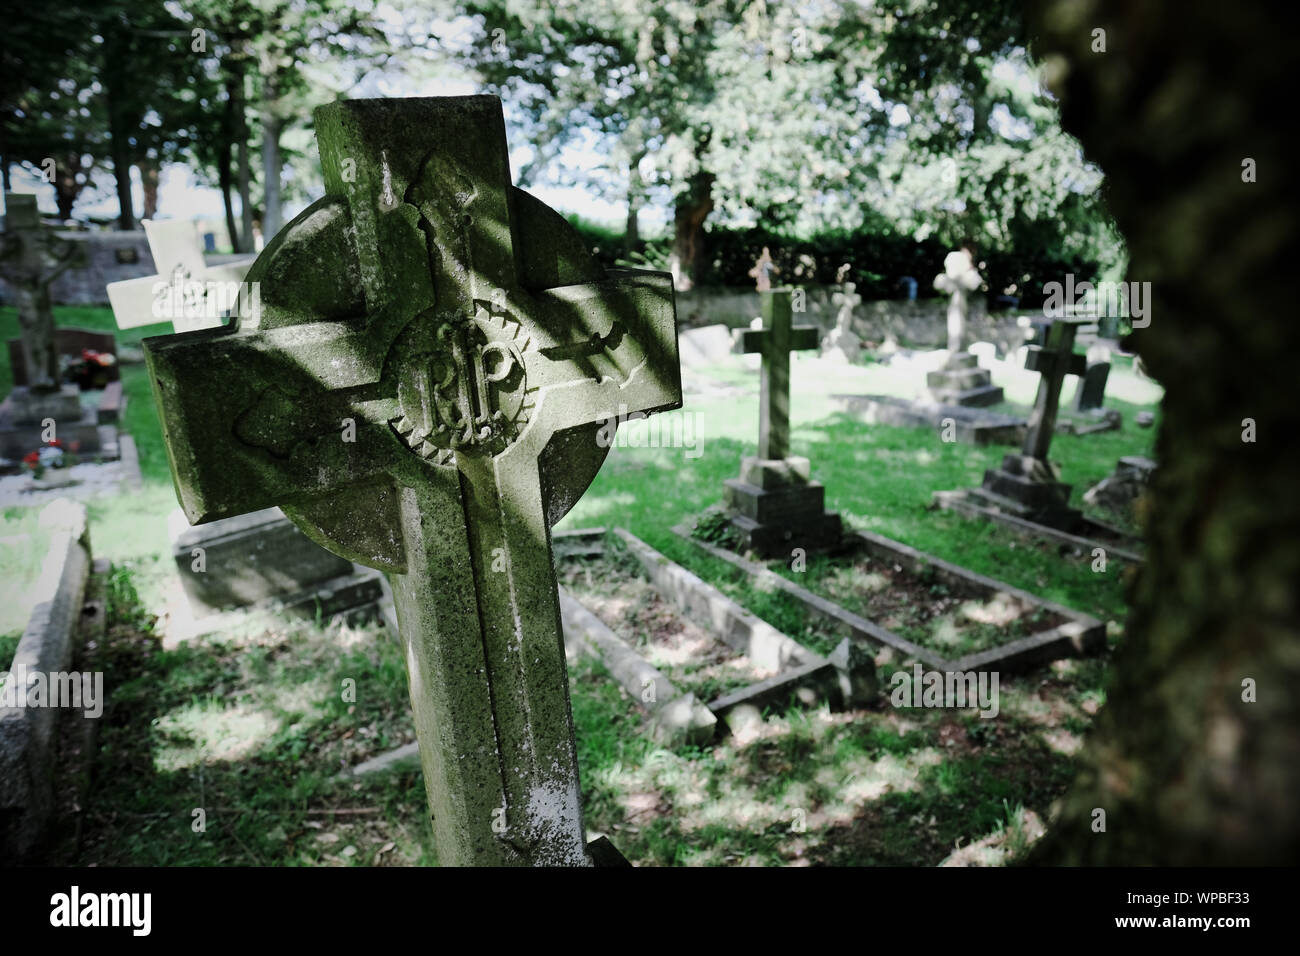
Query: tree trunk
{"points": [[691, 210], [149, 177], [120, 151], [241, 155], [635, 195], [66, 186], [271, 165], [1195, 759], [224, 179], [272, 126]]}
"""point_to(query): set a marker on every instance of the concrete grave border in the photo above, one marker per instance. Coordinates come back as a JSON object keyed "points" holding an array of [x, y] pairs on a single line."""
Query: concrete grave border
{"points": [[49, 644], [845, 679], [961, 502], [1080, 635]]}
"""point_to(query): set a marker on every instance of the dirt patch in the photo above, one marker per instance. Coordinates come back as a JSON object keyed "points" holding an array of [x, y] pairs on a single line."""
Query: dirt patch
{"points": [[950, 618], [689, 655]]}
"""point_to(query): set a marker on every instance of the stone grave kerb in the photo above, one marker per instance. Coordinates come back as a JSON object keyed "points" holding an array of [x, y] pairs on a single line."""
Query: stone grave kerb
{"points": [[422, 391]]}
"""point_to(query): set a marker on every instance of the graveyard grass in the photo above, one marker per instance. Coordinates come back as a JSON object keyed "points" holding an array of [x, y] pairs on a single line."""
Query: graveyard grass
{"points": [[253, 726]]}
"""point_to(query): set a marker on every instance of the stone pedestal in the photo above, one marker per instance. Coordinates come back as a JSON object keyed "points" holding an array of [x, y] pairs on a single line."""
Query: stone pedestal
{"points": [[962, 382], [1029, 488], [24, 412], [776, 507]]}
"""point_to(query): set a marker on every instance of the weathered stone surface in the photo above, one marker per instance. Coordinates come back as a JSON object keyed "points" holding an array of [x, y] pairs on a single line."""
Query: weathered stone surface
{"points": [[676, 718], [423, 392], [763, 644]]}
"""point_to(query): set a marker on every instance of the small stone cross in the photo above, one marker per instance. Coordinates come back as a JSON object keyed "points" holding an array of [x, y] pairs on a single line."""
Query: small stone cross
{"points": [[422, 391], [1053, 361], [959, 278], [775, 341]]}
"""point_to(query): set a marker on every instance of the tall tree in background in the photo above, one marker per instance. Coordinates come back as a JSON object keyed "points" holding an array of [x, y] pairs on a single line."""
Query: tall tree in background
{"points": [[790, 114], [717, 102]]}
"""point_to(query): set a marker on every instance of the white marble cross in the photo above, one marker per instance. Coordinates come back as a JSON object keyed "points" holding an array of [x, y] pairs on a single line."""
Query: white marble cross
{"points": [[186, 291]]}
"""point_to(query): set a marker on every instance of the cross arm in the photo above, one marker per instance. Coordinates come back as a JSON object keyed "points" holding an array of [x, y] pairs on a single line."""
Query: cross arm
{"points": [[250, 422], [622, 329], [801, 337]]}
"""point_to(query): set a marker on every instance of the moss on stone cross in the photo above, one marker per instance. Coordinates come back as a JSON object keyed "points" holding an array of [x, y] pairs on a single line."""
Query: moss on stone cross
{"points": [[421, 391]]}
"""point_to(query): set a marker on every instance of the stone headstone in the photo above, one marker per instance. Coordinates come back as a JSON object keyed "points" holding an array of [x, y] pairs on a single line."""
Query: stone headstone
{"points": [[257, 558], [247, 560], [961, 381], [68, 342], [1119, 490], [705, 346], [31, 258], [774, 504], [429, 385], [959, 278], [1092, 387]]}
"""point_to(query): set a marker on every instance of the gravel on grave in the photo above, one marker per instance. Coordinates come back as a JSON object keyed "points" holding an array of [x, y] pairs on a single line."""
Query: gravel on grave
{"points": [[689, 655], [949, 618]]}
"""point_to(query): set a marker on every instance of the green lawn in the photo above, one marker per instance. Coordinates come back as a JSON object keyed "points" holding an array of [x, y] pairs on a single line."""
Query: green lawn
{"points": [[254, 728]]}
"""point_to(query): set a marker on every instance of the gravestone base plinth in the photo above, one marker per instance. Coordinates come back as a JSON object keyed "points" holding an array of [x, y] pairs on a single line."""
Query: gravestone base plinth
{"points": [[1029, 488], [775, 507], [25, 413], [962, 382]]}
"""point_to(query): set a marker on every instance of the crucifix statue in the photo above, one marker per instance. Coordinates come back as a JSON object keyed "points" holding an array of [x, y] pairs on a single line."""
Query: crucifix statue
{"points": [[421, 391], [33, 257], [774, 504]]}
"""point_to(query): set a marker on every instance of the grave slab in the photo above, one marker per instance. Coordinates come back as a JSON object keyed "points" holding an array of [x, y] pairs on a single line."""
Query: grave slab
{"points": [[1081, 634], [971, 426]]}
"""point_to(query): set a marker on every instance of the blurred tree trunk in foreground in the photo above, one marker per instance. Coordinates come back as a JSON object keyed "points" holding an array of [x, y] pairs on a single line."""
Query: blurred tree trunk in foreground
{"points": [[1186, 771]]}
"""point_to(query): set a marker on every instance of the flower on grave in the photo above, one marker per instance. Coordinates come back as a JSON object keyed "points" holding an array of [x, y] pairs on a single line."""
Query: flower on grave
{"points": [[47, 456]]}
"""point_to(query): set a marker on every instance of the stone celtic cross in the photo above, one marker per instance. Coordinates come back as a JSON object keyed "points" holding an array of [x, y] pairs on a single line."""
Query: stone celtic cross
{"points": [[775, 341], [421, 392]]}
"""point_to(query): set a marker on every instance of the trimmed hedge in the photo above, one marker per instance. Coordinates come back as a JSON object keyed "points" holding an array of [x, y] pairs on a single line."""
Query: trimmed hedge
{"points": [[878, 261]]}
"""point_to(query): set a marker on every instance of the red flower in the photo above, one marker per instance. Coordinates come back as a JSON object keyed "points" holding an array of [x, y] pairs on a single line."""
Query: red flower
{"points": [[32, 457]]}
